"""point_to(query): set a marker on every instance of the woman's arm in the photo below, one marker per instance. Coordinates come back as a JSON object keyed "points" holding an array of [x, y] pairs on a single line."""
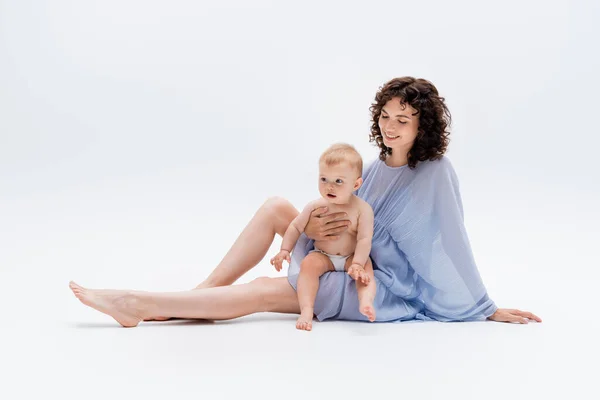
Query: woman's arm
{"points": [[432, 235]]}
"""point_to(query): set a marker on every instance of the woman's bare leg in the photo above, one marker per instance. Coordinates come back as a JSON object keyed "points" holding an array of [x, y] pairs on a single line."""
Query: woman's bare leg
{"points": [[219, 303], [312, 267], [274, 216]]}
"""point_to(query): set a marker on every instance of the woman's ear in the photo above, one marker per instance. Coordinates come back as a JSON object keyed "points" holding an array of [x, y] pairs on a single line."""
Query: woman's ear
{"points": [[358, 184]]}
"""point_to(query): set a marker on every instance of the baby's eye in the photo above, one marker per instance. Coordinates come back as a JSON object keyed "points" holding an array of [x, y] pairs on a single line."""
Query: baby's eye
{"points": [[339, 181], [323, 180]]}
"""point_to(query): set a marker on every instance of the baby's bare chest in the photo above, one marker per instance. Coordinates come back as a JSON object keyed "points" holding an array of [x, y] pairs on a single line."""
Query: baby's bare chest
{"points": [[346, 242], [353, 217]]}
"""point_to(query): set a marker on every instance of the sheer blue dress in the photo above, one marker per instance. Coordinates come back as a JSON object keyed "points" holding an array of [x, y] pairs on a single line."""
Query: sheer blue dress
{"points": [[422, 260]]}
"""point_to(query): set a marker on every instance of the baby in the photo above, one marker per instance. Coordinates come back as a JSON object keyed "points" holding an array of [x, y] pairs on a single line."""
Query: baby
{"points": [[340, 171]]}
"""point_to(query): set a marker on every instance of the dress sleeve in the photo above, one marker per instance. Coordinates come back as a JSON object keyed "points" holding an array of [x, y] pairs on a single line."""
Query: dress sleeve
{"points": [[432, 235]]}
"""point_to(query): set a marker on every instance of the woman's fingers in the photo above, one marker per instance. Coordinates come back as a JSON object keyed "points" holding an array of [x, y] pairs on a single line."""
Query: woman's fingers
{"points": [[512, 315], [330, 237], [527, 314], [318, 212], [335, 231], [333, 217], [338, 225], [520, 320]]}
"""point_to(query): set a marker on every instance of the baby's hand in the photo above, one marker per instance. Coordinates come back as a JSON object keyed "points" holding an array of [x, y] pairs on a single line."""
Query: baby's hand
{"points": [[358, 273], [277, 261]]}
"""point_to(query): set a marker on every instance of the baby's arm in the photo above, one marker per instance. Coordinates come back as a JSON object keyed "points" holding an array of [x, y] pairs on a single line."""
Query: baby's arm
{"points": [[297, 226], [292, 234], [364, 235]]}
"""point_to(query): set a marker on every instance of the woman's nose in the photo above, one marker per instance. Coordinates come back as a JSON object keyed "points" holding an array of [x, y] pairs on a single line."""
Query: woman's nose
{"points": [[389, 125]]}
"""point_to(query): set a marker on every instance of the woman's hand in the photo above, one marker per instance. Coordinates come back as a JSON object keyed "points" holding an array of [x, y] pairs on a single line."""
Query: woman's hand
{"points": [[510, 315], [326, 227]]}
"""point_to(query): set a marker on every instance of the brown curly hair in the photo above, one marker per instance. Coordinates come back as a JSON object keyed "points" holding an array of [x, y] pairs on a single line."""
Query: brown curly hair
{"points": [[434, 118]]}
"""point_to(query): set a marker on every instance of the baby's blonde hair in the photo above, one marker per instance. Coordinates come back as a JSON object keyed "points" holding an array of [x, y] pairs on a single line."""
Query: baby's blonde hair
{"points": [[342, 152]]}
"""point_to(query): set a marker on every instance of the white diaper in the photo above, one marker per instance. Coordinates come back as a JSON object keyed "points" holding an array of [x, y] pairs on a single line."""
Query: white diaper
{"points": [[339, 262]]}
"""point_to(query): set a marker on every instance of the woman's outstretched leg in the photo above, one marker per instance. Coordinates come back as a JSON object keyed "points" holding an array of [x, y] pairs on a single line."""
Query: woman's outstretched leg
{"points": [[274, 216], [219, 303]]}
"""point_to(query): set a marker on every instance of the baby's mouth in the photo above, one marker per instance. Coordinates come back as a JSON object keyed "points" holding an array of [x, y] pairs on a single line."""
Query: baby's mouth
{"points": [[331, 195]]}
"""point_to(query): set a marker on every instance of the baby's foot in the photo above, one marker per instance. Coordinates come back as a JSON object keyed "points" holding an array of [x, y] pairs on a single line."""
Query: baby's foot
{"points": [[367, 310], [305, 320], [119, 304]]}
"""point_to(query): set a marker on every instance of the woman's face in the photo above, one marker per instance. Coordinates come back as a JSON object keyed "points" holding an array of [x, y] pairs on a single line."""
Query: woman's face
{"points": [[398, 125]]}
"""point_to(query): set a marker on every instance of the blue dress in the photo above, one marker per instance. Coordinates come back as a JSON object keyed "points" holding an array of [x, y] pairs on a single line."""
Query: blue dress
{"points": [[422, 260]]}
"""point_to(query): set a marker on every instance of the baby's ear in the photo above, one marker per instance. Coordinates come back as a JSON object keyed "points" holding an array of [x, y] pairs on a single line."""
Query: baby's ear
{"points": [[358, 183]]}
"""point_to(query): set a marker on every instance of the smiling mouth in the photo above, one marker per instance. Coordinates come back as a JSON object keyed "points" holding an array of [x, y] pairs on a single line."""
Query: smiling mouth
{"points": [[391, 137]]}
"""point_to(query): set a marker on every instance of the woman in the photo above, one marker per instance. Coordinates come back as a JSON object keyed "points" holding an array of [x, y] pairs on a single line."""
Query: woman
{"points": [[424, 268]]}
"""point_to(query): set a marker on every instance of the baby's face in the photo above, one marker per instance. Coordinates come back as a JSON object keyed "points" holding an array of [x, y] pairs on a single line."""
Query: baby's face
{"points": [[337, 182]]}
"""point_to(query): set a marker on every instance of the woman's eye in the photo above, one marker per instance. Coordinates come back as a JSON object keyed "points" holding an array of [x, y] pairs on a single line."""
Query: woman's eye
{"points": [[383, 116], [403, 123]]}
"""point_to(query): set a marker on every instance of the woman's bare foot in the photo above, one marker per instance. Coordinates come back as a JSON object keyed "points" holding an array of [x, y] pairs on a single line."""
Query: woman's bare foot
{"points": [[305, 320], [124, 307], [367, 310], [157, 319]]}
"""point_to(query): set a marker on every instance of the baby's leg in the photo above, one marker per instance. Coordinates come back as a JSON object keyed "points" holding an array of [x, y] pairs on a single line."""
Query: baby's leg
{"points": [[366, 292], [312, 267]]}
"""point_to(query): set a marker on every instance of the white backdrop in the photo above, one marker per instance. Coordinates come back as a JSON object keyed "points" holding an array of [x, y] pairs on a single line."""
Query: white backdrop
{"points": [[137, 138]]}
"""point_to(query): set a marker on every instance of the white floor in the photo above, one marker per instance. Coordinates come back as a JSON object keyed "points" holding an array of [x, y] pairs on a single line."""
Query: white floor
{"points": [[53, 345], [137, 141], [78, 351]]}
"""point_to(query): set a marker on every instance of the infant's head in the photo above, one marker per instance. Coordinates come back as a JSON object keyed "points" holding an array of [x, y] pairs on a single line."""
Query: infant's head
{"points": [[340, 173]]}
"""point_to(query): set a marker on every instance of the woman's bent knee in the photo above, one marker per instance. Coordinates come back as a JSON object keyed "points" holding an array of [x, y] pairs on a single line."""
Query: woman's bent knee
{"points": [[281, 212], [276, 204]]}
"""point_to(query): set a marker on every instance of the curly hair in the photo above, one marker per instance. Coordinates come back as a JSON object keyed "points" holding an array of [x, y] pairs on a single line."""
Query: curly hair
{"points": [[434, 118]]}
